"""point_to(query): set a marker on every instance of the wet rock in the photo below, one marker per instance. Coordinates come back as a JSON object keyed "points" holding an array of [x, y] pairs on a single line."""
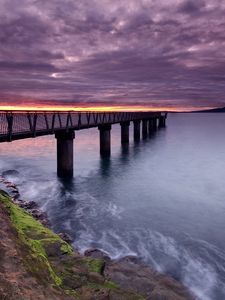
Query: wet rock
{"points": [[15, 200], [28, 204], [40, 216], [15, 196], [131, 274], [45, 222], [11, 185], [14, 190], [6, 182], [66, 237], [10, 173], [96, 253]]}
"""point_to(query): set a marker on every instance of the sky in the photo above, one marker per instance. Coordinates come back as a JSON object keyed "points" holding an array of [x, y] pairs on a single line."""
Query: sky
{"points": [[145, 54]]}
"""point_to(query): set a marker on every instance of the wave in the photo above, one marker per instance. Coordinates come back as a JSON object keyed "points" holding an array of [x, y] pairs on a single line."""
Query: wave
{"points": [[192, 262]]}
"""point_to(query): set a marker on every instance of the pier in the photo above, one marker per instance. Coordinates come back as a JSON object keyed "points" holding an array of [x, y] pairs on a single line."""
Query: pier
{"points": [[21, 125]]}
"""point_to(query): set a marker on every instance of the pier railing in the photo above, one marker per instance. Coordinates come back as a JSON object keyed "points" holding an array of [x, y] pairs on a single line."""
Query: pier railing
{"points": [[18, 125]]}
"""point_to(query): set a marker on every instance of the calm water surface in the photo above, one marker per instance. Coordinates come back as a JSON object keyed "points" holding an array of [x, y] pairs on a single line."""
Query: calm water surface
{"points": [[162, 199]]}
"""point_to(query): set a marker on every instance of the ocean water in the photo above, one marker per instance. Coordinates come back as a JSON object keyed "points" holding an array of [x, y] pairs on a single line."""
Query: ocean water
{"points": [[162, 199]]}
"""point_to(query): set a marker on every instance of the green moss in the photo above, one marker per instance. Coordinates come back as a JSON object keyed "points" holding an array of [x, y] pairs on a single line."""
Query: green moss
{"points": [[95, 265], [26, 226], [72, 293], [110, 285], [52, 260], [107, 285], [115, 290], [65, 248]]}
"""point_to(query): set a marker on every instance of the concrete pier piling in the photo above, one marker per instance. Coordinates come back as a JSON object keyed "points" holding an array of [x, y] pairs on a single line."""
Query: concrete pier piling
{"points": [[105, 139], [144, 128], [125, 132], [162, 121], [150, 127], [65, 153], [137, 130], [154, 124]]}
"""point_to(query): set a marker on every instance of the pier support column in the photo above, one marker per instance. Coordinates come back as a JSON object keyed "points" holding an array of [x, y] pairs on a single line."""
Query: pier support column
{"points": [[154, 124], [65, 153], [150, 127], [125, 132], [105, 140], [162, 122], [137, 127], [144, 128]]}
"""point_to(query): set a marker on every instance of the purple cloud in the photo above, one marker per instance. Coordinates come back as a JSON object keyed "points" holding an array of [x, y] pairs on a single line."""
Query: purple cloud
{"points": [[151, 53]]}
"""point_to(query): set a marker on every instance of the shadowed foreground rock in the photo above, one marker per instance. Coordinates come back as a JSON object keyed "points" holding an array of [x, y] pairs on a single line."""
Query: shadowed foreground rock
{"points": [[130, 273], [35, 263]]}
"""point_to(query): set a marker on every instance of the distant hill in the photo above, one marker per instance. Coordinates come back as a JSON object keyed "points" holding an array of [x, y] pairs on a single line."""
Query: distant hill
{"points": [[214, 110]]}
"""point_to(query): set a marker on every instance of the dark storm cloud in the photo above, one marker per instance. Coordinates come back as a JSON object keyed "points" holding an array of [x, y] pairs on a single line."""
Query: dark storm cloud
{"points": [[191, 7], [113, 52]]}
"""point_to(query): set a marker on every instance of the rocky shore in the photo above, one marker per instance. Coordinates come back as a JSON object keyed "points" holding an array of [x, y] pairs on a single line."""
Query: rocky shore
{"points": [[43, 265]]}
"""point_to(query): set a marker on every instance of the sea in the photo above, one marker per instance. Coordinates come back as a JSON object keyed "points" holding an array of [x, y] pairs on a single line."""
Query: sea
{"points": [[161, 199]]}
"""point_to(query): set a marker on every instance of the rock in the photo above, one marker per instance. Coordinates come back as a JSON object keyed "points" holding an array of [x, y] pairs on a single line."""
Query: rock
{"points": [[10, 173], [14, 190], [15, 196], [96, 253], [5, 181], [28, 204], [11, 185], [66, 237], [40, 216], [131, 274], [96, 277], [45, 222], [73, 282], [53, 249]]}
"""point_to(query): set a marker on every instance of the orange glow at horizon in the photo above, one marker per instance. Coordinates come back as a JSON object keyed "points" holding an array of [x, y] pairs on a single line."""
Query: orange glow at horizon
{"points": [[118, 108]]}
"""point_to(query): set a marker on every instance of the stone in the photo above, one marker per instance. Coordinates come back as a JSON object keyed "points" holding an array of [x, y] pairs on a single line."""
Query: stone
{"points": [[11, 185], [96, 253], [66, 237], [132, 274], [96, 277], [16, 196], [53, 249], [14, 190], [39, 215], [28, 204]]}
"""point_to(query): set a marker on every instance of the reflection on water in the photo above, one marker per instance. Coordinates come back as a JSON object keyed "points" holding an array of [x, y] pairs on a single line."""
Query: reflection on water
{"points": [[161, 198]]}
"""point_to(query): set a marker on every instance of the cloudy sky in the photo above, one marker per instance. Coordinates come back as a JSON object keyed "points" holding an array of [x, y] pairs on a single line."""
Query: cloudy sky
{"points": [[148, 53]]}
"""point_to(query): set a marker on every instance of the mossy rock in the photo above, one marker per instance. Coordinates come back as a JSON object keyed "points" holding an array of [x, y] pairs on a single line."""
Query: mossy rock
{"points": [[53, 261]]}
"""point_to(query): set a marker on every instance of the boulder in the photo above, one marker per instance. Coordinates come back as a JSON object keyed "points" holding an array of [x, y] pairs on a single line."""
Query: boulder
{"points": [[96, 253], [28, 204], [40, 216], [11, 185], [132, 274], [66, 237]]}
